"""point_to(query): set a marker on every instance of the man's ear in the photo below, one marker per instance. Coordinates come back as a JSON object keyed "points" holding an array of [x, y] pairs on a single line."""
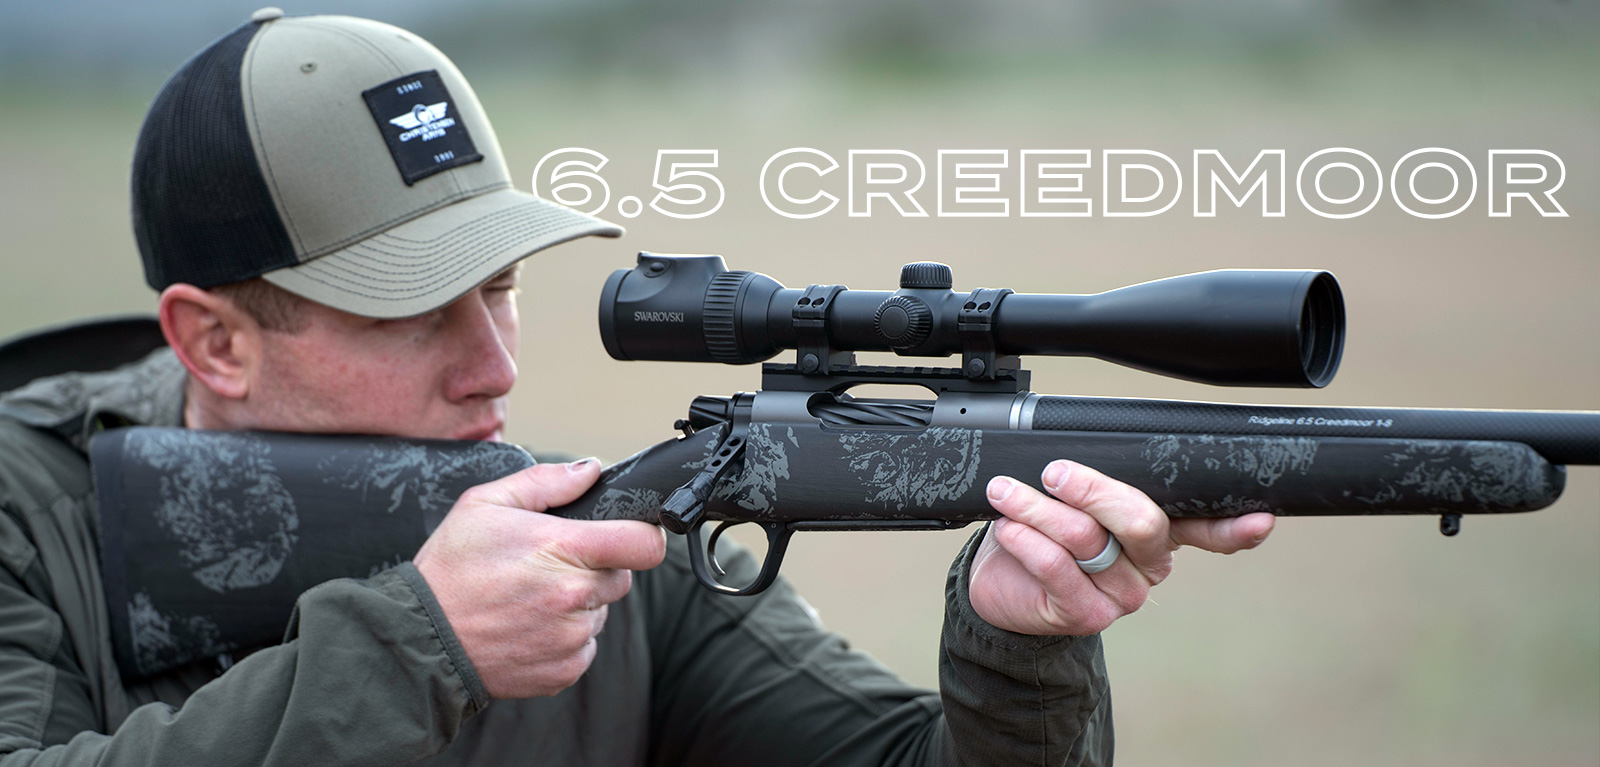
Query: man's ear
{"points": [[219, 343]]}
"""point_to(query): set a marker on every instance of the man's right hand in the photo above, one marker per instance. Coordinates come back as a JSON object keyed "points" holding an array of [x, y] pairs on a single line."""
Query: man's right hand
{"points": [[526, 592]]}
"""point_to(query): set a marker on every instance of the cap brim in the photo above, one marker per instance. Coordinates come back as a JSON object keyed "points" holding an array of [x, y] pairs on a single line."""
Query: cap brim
{"points": [[427, 262]]}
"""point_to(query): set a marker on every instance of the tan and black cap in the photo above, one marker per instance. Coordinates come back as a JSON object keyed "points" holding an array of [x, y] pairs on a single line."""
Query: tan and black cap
{"points": [[344, 160]]}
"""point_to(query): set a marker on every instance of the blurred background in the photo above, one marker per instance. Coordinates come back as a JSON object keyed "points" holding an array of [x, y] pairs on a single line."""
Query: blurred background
{"points": [[1370, 641]]}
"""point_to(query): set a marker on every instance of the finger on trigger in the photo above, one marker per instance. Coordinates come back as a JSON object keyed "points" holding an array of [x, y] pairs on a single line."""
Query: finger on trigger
{"points": [[1140, 526], [1069, 528]]}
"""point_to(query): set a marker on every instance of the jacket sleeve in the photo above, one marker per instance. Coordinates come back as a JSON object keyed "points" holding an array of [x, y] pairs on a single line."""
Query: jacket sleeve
{"points": [[370, 673], [758, 681]]}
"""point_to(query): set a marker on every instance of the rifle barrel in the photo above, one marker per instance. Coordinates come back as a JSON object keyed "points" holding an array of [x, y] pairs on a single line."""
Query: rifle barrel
{"points": [[1562, 437]]}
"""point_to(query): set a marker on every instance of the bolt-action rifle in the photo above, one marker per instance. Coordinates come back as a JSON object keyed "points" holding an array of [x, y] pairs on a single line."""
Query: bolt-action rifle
{"points": [[803, 454], [241, 523]]}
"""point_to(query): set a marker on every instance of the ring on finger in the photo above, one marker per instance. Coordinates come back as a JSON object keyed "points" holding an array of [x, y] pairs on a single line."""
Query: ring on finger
{"points": [[1103, 560]]}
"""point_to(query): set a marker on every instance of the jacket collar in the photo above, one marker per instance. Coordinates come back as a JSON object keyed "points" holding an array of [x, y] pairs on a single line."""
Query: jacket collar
{"points": [[148, 392]]}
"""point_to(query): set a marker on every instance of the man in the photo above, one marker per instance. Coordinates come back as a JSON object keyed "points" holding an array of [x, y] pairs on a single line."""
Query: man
{"points": [[324, 208]]}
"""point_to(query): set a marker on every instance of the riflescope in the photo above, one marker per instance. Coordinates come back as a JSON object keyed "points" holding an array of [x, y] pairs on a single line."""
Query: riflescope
{"points": [[1232, 327]]}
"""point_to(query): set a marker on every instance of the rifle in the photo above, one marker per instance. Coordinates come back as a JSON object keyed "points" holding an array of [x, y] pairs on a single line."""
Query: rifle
{"points": [[261, 517], [802, 454]]}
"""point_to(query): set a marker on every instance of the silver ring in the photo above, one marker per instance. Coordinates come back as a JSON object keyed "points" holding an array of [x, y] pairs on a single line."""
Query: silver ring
{"points": [[1104, 560]]}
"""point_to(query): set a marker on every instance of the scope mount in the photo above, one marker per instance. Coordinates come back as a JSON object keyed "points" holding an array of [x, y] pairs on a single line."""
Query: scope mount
{"points": [[813, 353], [976, 325], [776, 376]]}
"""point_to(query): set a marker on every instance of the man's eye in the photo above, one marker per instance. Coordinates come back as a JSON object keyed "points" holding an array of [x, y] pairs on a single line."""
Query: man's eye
{"points": [[503, 288], [409, 322]]}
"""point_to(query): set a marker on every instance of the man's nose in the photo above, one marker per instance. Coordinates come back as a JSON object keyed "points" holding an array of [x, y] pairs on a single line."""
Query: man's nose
{"points": [[484, 367]]}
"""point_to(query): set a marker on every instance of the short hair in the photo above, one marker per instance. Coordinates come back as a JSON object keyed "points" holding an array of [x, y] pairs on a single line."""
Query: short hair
{"points": [[272, 307]]}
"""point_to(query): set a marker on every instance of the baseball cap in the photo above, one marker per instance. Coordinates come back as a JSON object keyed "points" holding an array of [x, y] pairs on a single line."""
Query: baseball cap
{"points": [[344, 160]]}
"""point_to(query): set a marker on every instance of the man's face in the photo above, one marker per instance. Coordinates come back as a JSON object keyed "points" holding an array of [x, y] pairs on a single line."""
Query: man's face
{"points": [[444, 374]]}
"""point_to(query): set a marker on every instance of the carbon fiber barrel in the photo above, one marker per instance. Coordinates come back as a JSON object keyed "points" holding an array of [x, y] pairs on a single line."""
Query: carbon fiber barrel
{"points": [[1563, 438]]}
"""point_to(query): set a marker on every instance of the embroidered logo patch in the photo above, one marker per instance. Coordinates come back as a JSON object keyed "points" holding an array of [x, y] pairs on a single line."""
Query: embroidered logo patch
{"points": [[415, 115]]}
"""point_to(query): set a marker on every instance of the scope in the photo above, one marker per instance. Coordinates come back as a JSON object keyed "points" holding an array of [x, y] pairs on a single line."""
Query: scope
{"points": [[1231, 327]]}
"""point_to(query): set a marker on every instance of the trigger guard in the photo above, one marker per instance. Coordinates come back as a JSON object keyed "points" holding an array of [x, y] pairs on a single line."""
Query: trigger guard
{"points": [[778, 534]]}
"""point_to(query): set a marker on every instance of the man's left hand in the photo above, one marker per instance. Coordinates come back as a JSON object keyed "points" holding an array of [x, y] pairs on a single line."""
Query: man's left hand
{"points": [[1025, 579]]}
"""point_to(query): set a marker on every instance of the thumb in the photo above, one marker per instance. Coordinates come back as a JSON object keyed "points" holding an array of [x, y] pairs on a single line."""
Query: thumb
{"points": [[541, 487], [1225, 535]]}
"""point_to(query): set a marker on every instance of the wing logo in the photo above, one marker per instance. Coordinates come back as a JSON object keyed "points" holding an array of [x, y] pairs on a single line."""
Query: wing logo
{"points": [[424, 121], [421, 115]]}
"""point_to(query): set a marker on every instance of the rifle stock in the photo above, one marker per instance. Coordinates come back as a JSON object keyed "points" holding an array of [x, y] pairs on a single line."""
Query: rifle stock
{"points": [[208, 538]]}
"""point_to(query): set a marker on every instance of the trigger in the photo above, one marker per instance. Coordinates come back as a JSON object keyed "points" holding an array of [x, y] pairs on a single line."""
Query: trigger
{"points": [[711, 547]]}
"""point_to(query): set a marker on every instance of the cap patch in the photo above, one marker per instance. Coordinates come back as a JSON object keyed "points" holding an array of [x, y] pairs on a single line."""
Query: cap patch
{"points": [[418, 121]]}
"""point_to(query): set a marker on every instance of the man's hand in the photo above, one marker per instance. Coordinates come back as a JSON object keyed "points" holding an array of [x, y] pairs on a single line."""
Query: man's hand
{"points": [[527, 592], [1024, 578]]}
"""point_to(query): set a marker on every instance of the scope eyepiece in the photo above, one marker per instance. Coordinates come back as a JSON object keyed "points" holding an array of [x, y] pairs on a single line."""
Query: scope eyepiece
{"points": [[684, 309], [1232, 327]]}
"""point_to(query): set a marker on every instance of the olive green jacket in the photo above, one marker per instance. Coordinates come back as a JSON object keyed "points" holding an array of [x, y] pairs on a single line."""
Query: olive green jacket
{"points": [[370, 673]]}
